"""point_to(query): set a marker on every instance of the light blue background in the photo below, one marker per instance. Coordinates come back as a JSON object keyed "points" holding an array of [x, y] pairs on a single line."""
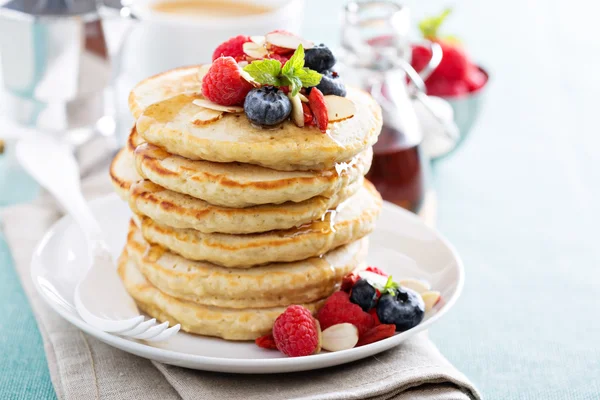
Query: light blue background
{"points": [[519, 201]]}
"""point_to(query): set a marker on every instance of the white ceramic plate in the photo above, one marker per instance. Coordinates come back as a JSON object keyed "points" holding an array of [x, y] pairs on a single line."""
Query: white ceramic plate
{"points": [[402, 245]]}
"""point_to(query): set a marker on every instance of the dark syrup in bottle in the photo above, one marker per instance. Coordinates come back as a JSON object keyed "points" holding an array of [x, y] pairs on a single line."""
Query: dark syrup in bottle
{"points": [[397, 169]]}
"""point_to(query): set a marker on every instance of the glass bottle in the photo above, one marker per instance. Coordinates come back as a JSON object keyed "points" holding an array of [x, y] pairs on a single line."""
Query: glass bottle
{"points": [[375, 55]]}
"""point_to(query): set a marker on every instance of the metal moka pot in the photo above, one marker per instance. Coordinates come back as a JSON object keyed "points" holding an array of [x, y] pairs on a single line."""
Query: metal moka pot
{"points": [[55, 65]]}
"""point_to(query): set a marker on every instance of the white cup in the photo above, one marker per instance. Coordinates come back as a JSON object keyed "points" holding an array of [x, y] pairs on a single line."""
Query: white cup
{"points": [[162, 41], [157, 41]]}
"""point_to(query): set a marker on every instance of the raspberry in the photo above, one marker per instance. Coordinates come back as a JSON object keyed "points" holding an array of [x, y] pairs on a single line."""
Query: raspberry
{"points": [[223, 83], [282, 58], [350, 279], [376, 270], [420, 57], [376, 334], [308, 117], [232, 48], [296, 332], [338, 309], [266, 342], [373, 312], [316, 101]]}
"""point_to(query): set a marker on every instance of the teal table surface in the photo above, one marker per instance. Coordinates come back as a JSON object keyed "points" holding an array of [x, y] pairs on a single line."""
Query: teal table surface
{"points": [[519, 201]]}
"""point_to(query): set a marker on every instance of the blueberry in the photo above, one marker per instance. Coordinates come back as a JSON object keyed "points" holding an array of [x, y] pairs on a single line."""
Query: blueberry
{"points": [[267, 106], [331, 83], [363, 294], [319, 58], [405, 309]]}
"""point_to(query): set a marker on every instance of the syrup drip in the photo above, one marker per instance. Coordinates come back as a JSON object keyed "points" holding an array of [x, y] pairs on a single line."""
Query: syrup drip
{"points": [[153, 253], [343, 167], [147, 150], [326, 269]]}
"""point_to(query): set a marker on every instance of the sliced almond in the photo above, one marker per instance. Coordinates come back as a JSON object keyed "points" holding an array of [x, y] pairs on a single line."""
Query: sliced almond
{"points": [[206, 116], [297, 112], [431, 298], [248, 78], [373, 278], [203, 70], [217, 107], [254, 50], [339, 108], [260, 40], [242, 64], [303, 98], [339, 337], [287, 40], [417, 285]]}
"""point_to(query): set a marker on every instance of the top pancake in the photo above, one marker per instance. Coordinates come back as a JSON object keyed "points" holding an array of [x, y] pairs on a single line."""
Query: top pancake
{"points": [[168, 123]]}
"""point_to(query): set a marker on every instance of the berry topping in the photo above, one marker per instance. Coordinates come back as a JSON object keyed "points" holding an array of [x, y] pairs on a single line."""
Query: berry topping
{"points": [[319, 58], [338, 309], [293, 73], [223, 83], [316, 101], [376, 334], [232, 48], [266, 342], [296, 332], [373, 312], [332, 84], [376, 270], [308, 116], [282, 58], [403, 308], [267, 106], [364, 295], [348, 281]]}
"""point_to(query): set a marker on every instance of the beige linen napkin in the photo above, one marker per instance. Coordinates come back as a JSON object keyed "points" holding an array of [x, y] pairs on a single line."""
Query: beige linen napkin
{"points": [[84, 368]]}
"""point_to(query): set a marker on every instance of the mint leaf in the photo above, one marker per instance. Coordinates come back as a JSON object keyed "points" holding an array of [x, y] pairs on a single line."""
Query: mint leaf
{"points": [[293, 74], [390, 287], [293, 82], [295, 62], [265, 71], [309, 77]]}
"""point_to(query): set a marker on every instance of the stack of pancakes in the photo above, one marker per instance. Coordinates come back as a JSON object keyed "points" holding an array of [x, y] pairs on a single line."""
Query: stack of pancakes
{"points": [[232, 222]]}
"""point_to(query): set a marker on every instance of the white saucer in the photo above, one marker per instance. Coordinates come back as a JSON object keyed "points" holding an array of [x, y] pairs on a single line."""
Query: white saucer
{"points": [[402, 245]]}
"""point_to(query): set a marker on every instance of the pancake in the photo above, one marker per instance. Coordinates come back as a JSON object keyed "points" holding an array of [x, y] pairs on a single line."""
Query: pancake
{"points": [[122, 173], [270, 285], [241, 185], [162, 86], [353, 219], [182, 211], [169, 124], [226, 323]]}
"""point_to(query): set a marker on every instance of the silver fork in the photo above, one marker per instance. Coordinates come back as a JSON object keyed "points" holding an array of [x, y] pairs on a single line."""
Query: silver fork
{"points": [[53, 165]]}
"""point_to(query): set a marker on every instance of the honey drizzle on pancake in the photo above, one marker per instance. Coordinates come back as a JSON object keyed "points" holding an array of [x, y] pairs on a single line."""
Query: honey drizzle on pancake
{"points": [[147, 150], [325, 225], [154, 252]]}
